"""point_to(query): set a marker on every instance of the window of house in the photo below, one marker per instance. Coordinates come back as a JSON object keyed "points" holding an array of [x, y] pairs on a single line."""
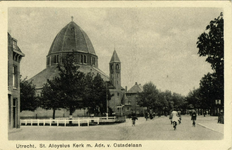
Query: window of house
{"points": [[15, 85], [85, 59], [56, 59], [93, 61], [117, 66], [82, 59], [48, 60], [118, 94], [14, 44], [14, 102]]}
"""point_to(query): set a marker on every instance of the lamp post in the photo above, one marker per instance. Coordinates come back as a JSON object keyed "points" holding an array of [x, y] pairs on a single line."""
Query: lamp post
{"points": [[107, 110]]}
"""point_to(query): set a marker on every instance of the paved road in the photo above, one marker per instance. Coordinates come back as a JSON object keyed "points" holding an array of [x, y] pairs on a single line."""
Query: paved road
{"points": [[156, 129]]}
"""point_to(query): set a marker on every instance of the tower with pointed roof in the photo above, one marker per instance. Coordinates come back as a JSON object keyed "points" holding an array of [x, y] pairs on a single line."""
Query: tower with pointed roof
{"points": [[115, 70]]}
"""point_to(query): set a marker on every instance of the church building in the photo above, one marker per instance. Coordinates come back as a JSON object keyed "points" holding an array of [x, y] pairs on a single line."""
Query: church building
{"points": [[73, 38]]}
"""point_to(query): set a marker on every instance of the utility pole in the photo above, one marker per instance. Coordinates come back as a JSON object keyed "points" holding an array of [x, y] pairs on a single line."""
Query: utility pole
{"points": [[107, 110]]}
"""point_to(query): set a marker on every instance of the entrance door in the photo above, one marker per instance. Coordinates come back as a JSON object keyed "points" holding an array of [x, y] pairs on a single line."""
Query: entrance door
{"points": [[14, 113], [9, 110]]}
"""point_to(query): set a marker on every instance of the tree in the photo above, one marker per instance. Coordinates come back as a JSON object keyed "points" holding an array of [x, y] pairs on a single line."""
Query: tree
{"points": [[178, 100], [28, 99], [211, 45], [193, 98], [149, 96], [72, 83], [51, 95], [95, 94], [100, 93]]}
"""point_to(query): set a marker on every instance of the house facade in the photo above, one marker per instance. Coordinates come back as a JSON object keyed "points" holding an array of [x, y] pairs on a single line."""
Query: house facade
{"points": [[14, 57]]}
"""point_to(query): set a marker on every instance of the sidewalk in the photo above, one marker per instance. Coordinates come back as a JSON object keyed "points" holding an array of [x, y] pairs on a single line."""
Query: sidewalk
{"points": [[14, 130], [210, 122]]}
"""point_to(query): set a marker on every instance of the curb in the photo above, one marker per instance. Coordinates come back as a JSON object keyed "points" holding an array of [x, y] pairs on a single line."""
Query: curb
{"points": [[209, 128]]}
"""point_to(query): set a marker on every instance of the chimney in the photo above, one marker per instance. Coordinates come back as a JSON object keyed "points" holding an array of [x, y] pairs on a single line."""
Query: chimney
{"points": [[126, 88], [135, 83]]}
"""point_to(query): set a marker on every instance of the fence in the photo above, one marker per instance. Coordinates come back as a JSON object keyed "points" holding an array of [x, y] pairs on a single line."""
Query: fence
{"points": [[66, 121], [58, 121]]}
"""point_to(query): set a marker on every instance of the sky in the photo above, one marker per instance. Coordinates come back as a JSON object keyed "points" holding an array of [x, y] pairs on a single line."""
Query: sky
{"points": [[153, 43]]}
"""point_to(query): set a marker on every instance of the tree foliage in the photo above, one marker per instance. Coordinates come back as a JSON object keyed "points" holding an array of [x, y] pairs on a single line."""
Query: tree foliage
{"points": [[95, 94], [148, 97], [28, 99], [211, 45], [51, 95], [159, 101], [72, 83]]}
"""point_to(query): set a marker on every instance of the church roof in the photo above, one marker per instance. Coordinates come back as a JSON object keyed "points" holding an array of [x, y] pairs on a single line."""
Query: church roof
{"points": [[72, 37], [136, 88], [49, 73], [114, 57]]}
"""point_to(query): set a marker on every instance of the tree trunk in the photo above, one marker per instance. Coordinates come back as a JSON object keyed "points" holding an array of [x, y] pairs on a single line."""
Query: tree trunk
{"points": [[54, 112], [70, 115]]}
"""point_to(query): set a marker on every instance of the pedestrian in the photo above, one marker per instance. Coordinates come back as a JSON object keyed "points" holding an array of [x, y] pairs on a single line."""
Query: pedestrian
{"points": [[133, 119], [151, 116], [146, 115], [170, 117], [220, 117], [179, 115], [204, 113], [174, 118], [194, 117]]}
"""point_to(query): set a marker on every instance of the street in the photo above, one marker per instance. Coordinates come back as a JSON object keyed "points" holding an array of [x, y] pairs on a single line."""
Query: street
{"points": [[159, 128]]}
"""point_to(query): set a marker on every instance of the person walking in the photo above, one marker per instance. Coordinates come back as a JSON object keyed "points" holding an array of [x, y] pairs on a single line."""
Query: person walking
{"points": [[174, 118], [194, 117], [179, 115], [134, 118], [146, 115], [170, 117]]}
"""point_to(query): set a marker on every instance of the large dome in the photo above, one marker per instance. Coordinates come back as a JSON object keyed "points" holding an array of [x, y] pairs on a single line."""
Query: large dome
{"points": [[70, 38]]}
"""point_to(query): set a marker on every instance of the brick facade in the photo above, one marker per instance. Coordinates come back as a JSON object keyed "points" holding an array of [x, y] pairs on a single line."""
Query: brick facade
{"points": [[14, 58]]}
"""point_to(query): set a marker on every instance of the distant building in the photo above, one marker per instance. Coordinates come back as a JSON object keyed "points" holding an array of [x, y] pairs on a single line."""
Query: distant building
{"points": [[131, 105], [73, 38], [14, 57]]}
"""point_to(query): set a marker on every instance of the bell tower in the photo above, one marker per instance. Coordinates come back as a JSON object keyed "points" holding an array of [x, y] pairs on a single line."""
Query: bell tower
{"points": [[115, 70]]}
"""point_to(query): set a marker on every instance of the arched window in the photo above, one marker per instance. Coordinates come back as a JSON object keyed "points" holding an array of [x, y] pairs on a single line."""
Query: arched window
{"points": [[15, 77], [82, 59], [117, 66], [85, 59], [56, 58], [48, 60], [93, 61]]}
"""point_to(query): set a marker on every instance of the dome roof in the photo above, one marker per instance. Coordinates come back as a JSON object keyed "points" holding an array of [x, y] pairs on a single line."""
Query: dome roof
{"points": [[72, 37]]}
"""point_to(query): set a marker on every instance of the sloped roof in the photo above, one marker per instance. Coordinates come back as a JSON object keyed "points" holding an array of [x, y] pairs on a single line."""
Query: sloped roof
{"points": [[49, 73], [72, 37], [114, 57], [16, 49], [135, 89]]}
